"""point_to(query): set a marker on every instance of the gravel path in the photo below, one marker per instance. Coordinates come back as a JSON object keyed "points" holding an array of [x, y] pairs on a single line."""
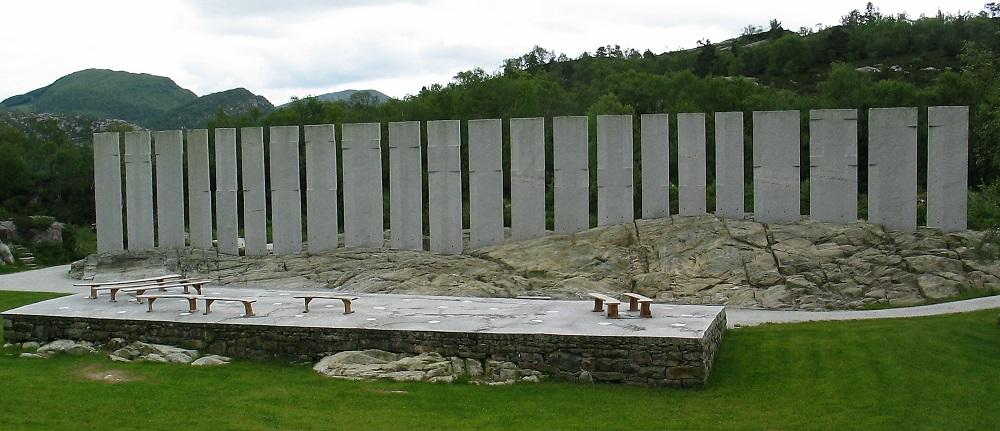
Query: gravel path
{"points": [[56, 279]]}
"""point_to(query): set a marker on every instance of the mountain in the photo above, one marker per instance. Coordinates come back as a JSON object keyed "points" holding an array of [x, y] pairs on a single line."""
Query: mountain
{"points": [[347, 95], [195, 113], [146, 100], [57, 127]]}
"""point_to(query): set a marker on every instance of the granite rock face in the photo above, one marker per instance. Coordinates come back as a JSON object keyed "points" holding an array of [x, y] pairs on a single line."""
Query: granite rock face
{"points": [[428, 366], [690, 260]]}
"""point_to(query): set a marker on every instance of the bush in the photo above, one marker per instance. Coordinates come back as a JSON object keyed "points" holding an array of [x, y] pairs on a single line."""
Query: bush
{"points": [[984, 207]]}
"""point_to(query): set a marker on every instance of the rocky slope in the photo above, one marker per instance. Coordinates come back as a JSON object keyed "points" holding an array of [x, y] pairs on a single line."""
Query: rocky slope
{"points": [[697, 260]]}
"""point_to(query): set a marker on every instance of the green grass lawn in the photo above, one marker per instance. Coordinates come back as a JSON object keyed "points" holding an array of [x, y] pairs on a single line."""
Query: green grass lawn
{"points": [[925, 373]]}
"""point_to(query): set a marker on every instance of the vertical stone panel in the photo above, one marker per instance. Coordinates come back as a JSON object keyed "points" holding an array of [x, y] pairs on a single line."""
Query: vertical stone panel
{"points": [[776, 166], [833, 165], [729, 165], [691, 164], [485, 183], [226, 188], [321, 188], [892, 167], [444, 181], [138, 191], [286, 195], [947, 167], [254, 187], [571, 184], [405, 187], [199, 190], [655, 149], [169, 147], [527, 178], [614, 169], [108, 192], [362, 154]]}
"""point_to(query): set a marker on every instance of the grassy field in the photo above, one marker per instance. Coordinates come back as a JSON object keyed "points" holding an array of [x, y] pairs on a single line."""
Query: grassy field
{"points": [[924, 373]]}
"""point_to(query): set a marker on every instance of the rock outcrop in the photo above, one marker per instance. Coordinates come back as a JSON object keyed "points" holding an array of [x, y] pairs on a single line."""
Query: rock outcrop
{"points": [[6, 257], [430, 367], [696, 260]]}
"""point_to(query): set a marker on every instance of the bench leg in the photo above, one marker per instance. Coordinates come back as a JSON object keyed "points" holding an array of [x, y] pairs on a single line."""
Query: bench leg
{"points": [[249, 309], [93, 293], [114, 295], [150, 303], [347, 306], [192, 305], [308, 300], [633, 304], [598, 305], [187, 289], [198, 288], [208, 305], [612, 311], [646, 311]]}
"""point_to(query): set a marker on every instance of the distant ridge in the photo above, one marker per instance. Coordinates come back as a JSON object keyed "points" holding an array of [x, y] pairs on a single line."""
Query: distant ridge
{"points": [[345, 96]]}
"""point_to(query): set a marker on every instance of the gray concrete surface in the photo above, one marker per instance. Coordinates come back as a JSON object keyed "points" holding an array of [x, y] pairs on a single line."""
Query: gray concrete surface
{"points": [[253, 183], [108, 192], [405, 187], [833, 165], [947, 167], [571, 174], [169, 149], [199, 189], [691, 164], [321, 188], [485, 183], [729, 188], [226, 188], [362, 153], [614, 170], [444, 186], [654, 147], [776, 166], [138, 191], [527, 178], [286, 197], [892, 167]]}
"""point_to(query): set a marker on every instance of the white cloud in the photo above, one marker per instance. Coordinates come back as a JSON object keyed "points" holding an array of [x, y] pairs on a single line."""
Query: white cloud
{"points": [[281, 49]]}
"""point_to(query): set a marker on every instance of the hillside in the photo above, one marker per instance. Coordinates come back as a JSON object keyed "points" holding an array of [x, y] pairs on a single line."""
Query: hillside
{"points": [[195, 113], [370, 97]]}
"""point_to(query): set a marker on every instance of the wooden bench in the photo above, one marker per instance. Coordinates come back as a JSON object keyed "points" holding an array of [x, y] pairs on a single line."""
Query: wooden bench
{"points": [[158, 279], [183, 283], [346, 299], [634, 302], [192, 299], [114, 286], [247, 303], [601, 299]]}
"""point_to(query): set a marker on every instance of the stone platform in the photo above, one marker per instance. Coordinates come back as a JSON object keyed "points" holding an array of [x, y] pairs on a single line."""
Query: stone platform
{"points": [[676, 347]]}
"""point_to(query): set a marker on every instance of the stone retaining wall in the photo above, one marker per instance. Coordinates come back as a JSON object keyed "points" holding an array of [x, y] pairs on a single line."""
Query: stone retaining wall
{"points": [[650, 361]]}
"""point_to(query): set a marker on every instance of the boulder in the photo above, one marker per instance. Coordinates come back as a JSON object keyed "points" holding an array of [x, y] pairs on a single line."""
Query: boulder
{"points": [[6, 257], [210, 360], [146, 352], [67, 346], [427, 366]]}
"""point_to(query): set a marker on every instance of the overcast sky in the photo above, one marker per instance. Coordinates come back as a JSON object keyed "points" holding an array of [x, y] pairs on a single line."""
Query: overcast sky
{"points": [[290, 48]]}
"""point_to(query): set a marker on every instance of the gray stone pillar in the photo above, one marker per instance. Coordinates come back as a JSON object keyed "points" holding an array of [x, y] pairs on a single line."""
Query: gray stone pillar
{"points": [[947, 167], [286, 195], [444, 184], [485, 183], [254, 204], [776, 166], [362, 154], [199, 190], [892, 167], [321, 188], [527, 178], [108, 192], [405, 187], [729, 165], [169, 188], [226, 187], [571, 184], [655, 149], [691, 164], [138, 191], [614, 169], [833, 165]]}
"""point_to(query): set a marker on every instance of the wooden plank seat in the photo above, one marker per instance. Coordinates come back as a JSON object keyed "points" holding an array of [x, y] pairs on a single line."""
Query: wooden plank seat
{"points": [[114, 286], [346, 300], [247, 303], [192, 299], [600, 300], [157, 279], [637, 302], [183, 284]]}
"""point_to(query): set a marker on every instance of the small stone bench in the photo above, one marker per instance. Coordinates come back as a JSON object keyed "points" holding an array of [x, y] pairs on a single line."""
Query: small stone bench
{"points": [[192, 299], [141, 290], [346, 299], [247, 303], [636, 300], [601, 299]]}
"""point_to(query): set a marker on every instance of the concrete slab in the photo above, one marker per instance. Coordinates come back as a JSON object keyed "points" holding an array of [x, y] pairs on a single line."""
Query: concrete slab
{"points": [[199, 190], [226, 187], [892, 167], [253, 185], [362, 152], [138, 191], [947, 167], [108, 192], [833, 165], [571, 182], [729, 160], [444, 186], [655, 149], [614, 170], [485, 183], [776, 166], [322, 227], [286, 196], [527, 178], [406, 220], [692, 157], [169, 147]]}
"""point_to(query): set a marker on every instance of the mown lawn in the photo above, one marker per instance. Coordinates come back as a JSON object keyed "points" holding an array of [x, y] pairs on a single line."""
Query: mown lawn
{"points": [[925, 373]]}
